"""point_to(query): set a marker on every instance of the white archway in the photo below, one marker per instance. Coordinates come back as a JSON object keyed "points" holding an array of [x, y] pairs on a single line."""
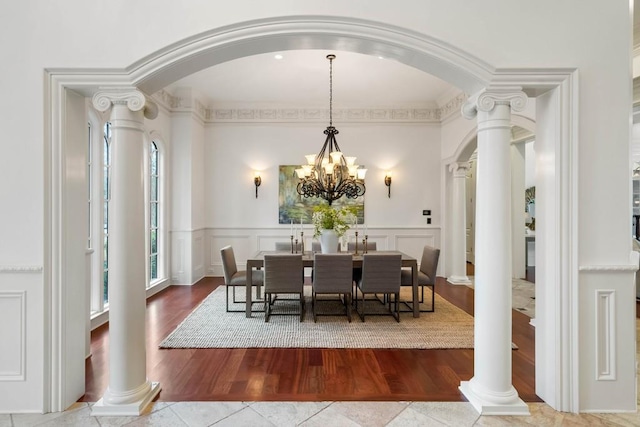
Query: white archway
{"points": [[418, 50]]}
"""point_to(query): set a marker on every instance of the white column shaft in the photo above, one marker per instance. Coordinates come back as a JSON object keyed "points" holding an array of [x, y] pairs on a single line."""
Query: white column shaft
{"points": [[129, 390], [493, 252], [127, 257], [491, 390], [459, 225]]}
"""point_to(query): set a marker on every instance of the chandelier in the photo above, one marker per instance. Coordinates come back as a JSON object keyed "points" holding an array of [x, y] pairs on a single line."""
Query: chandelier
{"points": [[329, 174]]}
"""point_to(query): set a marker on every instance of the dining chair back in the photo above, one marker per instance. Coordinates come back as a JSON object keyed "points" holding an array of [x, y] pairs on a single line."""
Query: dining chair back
{"points": [[371, 246], [234, 278], [286, 246], [282, 274], [426, 276], [332, 274], [381, 275]]}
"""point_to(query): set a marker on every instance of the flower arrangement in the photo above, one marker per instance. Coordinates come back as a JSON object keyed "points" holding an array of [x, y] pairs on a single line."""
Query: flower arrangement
{"points": [[327, 218]]}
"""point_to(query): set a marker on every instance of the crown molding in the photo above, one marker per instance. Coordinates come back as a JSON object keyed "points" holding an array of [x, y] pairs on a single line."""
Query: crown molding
{"points": [[176, 104]]}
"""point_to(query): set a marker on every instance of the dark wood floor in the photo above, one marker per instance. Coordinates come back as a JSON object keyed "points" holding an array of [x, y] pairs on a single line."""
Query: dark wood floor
{"points": [[302, 374]]}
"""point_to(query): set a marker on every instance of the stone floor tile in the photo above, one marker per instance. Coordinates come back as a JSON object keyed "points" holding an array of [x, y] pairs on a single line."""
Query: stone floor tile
{"points": [[288, 413], [448, 413], [81, 417], [369, 414], [245, 418], [329, 418], [164, 417], [29, 420], [412, 418], [196, 414]]}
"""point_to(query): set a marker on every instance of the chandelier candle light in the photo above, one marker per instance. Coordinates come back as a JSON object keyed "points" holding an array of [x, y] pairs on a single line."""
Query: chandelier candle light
{"points": [[329, 174]]}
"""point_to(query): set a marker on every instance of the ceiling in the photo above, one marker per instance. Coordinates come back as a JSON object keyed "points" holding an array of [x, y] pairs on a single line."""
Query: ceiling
{"points": [[301, 80]]}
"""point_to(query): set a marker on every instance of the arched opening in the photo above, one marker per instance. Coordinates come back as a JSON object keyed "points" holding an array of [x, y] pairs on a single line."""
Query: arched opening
{"points": [[417, 50]]}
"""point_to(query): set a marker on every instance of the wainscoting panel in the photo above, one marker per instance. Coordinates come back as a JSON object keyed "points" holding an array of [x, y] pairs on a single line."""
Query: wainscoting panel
{"points": [[13, 306], [605, 335]]}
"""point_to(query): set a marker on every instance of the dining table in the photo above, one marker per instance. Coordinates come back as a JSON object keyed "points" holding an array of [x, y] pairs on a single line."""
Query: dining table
{"points": [[257, 262]]}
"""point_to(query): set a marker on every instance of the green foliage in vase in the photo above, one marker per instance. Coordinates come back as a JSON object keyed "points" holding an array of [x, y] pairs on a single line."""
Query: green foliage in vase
{"points": [[327, 218]]}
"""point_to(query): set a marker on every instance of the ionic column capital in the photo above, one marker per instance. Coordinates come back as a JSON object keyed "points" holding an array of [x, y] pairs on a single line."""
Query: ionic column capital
{"points": [[488, 98], [459, 169], [134, 99]]}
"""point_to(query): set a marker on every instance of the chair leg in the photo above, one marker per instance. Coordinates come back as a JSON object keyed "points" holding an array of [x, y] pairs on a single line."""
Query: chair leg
{"points": [[267, 307], [302, 306], [363, 306], [226, 301], [397, 304], [313, 305], [347, 299]]}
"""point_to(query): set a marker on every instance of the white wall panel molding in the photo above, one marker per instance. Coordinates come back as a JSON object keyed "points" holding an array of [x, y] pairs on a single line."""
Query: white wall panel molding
{"points": [[13, 330], [355, 115], [605, 319], [621, 268], [20, 269]]}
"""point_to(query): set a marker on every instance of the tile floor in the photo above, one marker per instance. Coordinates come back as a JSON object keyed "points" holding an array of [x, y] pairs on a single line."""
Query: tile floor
{"points": [[256, 414], [334, 414]]}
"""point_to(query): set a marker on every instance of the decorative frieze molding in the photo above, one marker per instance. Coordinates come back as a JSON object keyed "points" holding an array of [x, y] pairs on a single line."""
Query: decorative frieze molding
{"points": [[230, 115], [21, 269]]}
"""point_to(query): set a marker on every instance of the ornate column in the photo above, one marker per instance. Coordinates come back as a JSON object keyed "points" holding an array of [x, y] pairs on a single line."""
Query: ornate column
{"points": [[459, 225], [490, 390], [129, 390]]}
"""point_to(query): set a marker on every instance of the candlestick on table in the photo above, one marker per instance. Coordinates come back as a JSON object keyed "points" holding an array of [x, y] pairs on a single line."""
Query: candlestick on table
{"points": [[356, 252], [292, 243], [296, 246], [302, 242]]}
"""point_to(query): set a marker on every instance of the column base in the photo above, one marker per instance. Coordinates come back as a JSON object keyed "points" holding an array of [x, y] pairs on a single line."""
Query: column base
{"points": [[485, 406], [459, 280], [132, 409]]}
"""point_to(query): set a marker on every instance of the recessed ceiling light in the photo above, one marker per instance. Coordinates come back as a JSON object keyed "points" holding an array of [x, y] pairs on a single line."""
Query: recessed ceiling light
{"points": [[278, 56]]}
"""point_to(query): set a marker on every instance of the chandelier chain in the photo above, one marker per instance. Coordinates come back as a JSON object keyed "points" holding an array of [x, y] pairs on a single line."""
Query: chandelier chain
{"points": [[330, 91]]}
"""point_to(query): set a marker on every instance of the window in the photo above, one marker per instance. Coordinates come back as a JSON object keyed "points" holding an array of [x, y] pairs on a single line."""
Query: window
{"points": [[106, 189], [154, 213], [89, 188]]}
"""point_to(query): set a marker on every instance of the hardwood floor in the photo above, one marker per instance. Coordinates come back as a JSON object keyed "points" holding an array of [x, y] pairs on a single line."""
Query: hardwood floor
{"points": [[302, 374]]}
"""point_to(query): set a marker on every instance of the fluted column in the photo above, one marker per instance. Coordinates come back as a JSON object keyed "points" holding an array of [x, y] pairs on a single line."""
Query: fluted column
{"points": [[129, 390], [459, 225], [490, 390]]}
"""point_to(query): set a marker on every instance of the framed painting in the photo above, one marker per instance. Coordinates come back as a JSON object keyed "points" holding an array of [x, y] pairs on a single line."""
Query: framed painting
{"points": [[294, 207]]}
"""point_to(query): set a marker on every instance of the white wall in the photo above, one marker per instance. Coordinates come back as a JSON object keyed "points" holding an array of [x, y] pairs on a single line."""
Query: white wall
{"points": [[234, 150]]}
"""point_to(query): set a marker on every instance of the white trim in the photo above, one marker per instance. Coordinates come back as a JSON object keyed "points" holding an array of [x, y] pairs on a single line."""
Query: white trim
{"points": [[20, 373], [9, 269], [605, 339]]}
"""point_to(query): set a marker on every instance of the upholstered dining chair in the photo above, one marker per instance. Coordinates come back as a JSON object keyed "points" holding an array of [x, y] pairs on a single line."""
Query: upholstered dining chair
{"points": [[380, 275], [426, 276], [371, 246], [286, 246], [282, 276], [332, 275], [234, 278], [351, 247]]}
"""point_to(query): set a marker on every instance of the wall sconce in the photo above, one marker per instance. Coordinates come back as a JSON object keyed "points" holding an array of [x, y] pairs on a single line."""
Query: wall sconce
{"points": [[257, 181], [387, 181]]}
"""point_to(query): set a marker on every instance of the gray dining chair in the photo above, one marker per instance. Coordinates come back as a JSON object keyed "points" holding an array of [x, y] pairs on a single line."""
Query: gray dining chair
{"points": [[371, 246], [426, 276], [282, 276], [332, 274], [286, 247], [380, 275], [234, 278], [351, 247]]}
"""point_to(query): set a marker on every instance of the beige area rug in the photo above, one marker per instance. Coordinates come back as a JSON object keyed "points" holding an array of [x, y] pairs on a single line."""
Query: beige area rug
{"points": [[210, 326]]}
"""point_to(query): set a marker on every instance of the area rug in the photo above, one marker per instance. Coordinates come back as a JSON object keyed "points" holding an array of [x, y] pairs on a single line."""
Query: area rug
{"points": [[210, 326]]}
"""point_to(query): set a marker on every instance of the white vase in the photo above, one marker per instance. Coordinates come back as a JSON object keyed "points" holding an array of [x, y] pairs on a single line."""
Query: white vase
{"points": [[329, 241]]}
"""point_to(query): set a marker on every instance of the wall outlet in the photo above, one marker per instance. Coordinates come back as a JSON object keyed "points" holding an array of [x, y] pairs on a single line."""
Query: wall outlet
{"points": [[426, 212], [428, 220]]}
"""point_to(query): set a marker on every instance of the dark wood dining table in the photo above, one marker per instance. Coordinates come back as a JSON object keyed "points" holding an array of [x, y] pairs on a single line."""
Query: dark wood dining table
{"points": [[257, 261]]}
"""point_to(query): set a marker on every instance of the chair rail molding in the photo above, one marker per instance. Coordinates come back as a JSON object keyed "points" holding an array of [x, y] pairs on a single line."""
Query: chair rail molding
{"points": [[21, 268]]}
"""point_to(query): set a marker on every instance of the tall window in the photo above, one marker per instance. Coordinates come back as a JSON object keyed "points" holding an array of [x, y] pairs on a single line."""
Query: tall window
{"points": [[89, 187], [106, 188], [154, 212]]}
